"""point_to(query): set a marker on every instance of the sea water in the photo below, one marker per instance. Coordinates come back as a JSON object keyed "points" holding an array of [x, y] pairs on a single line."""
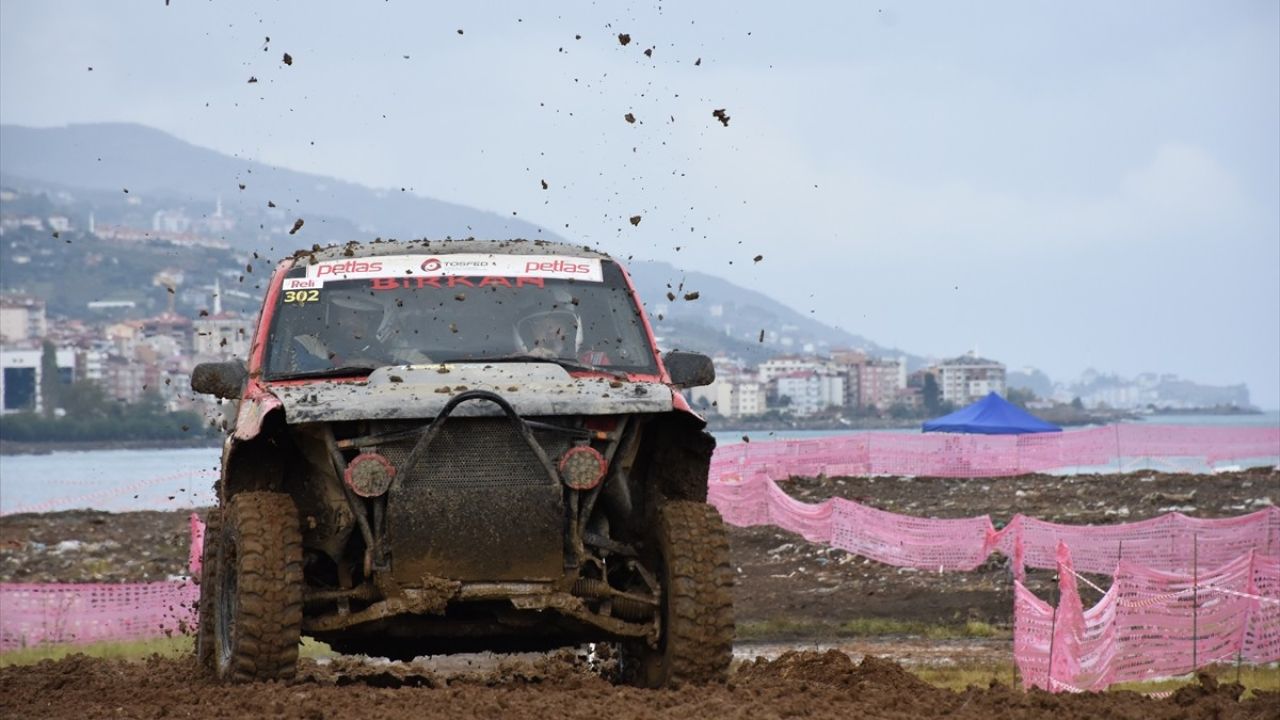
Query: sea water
{"points": [[120, 480], [114, 480]]}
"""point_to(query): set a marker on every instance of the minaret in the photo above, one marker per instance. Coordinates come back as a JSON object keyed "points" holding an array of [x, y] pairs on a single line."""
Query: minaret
{"points": [[91, 232], [217, 294], [218, 210]]}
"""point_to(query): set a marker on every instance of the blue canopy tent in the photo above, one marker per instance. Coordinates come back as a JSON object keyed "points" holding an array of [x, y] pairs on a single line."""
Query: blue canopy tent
{"points": [[992, 415]]}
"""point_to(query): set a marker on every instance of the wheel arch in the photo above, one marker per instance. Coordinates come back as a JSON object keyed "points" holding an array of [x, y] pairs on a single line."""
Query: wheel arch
{"points": [[257, 463], [677, 456]]}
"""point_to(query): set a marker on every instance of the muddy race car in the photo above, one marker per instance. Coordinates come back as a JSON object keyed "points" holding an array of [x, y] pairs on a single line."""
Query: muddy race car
{"points": [[454, 446]]}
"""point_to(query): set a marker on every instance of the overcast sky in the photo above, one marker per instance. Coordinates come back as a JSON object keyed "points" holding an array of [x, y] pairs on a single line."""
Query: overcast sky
{"points": [[1057, 184]]}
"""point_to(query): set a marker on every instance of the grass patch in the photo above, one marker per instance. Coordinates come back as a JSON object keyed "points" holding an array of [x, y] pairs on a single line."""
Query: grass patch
{"points": [[871, 627], [778, 629], [121, 649], [173, 647], [959, 677], [1252, 677]]}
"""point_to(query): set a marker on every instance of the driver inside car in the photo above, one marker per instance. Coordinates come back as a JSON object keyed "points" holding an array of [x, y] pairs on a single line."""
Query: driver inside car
{"points": [[350, 337], [555, 334]]}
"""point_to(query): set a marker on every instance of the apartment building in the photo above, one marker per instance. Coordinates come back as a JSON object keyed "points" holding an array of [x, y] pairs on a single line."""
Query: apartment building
{"points": [[775, 368], [880, 380], [21, 373], [22, 319], [810, 391], [968, 378], [222, 336]]}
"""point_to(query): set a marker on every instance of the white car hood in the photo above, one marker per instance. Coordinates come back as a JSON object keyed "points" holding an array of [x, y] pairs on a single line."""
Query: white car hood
{"points": [[420, 391]]}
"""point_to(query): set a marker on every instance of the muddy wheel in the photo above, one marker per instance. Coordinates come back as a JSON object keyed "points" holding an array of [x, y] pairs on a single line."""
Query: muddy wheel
{"points": [[258, 607], [208, 589], [696, 644]]}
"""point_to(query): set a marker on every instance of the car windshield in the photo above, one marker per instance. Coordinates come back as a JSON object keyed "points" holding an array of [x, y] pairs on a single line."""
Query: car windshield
{"points": [[347, 321]]}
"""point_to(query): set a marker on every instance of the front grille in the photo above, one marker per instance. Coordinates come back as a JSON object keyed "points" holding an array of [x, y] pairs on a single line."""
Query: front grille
{"points": [[477, 452], [478, 506]]}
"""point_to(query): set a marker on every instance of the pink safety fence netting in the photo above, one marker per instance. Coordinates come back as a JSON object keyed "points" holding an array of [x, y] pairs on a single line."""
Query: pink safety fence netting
{"points": [[1149, 624], [1169, 543], [49, 613], [36, 614], [742, 487], [1113, 448]]}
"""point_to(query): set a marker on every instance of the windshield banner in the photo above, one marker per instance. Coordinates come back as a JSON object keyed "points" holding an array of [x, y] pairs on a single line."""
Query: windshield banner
{"points": [[399, 266]]}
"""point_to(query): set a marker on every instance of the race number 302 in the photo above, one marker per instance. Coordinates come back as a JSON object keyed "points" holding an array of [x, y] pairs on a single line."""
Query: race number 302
{"points": [[301, 296]]}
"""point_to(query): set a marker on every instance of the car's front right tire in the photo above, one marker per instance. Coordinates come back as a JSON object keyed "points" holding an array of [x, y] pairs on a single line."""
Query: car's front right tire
{"points": [[696, 642]]}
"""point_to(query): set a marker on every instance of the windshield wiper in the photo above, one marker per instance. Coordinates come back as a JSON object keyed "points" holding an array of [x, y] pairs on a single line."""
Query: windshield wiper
{"points": [[325, 372], [565, 363]]}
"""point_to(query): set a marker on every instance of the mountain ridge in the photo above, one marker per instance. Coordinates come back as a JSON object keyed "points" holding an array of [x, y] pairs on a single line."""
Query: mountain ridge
{"points": [[130, 174], [135, 158], [133, 173]]}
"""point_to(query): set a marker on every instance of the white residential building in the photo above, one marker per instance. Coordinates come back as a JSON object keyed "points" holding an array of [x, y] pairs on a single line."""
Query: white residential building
{"points": [[810, 391], [171, 221], [731, 395], [222, 336], [775, 368], [968, 378], [22, 319], [750, 399]]}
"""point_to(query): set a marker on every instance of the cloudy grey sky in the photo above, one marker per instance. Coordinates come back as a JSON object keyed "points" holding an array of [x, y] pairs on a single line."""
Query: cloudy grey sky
{"points": [[1065, 185]]}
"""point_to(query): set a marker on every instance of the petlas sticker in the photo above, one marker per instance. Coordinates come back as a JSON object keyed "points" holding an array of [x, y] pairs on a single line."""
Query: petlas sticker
{"points": [[514, 266]]}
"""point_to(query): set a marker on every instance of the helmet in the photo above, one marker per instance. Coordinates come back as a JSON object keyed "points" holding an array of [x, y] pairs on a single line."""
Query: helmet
{"points": [[356, 310], [542, 326]]}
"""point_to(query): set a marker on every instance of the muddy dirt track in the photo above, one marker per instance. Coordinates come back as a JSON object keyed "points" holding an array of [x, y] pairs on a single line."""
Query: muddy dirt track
{"points": [[799, 684]]}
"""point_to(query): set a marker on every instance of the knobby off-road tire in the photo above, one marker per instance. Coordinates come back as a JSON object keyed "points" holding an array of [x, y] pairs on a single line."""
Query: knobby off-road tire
{"points": [[208, 589], [258, 612], [696, 645]]}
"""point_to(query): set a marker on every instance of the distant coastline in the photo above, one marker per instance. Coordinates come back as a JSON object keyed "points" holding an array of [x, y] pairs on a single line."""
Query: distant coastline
{"points": [[1220, 410], [14, 447], [1068, 418], [1062, 415], [721, 424]]}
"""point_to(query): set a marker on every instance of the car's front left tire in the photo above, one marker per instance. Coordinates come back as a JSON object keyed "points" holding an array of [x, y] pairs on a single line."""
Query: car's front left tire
{"points": [[257, 608]]}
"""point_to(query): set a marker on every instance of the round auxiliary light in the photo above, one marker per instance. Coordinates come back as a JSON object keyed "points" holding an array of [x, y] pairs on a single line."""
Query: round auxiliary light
{"points": [[369, 474], [582, 467]]}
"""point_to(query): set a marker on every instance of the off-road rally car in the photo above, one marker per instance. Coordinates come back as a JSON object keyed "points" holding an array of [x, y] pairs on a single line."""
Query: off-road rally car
{"points": [[454, 446]]}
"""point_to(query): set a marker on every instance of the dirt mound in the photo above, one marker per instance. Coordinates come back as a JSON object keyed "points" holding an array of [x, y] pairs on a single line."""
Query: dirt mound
{"points": [[829, 667], [832, 668], [799, 684], [1208, 687]]}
